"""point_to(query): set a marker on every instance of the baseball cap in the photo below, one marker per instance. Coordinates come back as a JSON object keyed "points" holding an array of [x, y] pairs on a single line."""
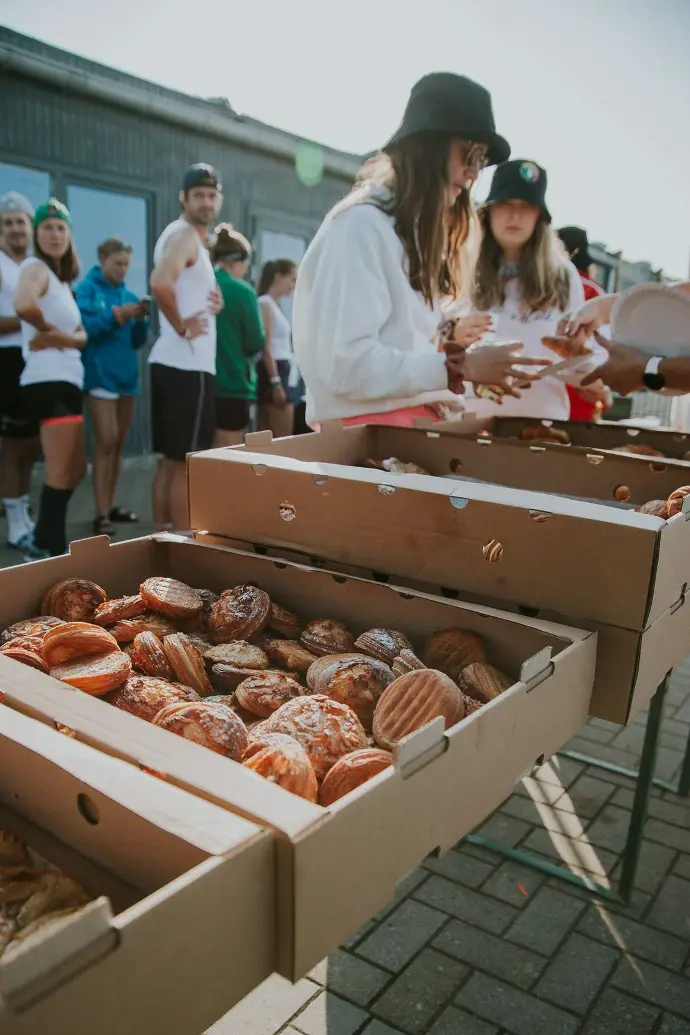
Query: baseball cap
{"points": [[52, 209], [201, 175], [13, 201]]}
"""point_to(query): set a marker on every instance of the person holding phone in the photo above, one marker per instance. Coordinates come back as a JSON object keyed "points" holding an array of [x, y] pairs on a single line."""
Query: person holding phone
{"points": [[116, 323]]}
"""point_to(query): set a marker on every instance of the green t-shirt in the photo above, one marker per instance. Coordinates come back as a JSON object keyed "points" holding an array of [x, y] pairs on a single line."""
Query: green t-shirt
{"points": [[240, 337]]}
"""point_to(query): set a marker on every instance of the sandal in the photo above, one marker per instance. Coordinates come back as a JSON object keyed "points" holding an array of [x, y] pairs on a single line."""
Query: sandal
{"points": [[122, 515], [102, 526]]}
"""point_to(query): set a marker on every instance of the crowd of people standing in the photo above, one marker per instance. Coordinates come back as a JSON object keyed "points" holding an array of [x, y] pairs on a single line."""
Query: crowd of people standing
{"points": [[407, 300]]}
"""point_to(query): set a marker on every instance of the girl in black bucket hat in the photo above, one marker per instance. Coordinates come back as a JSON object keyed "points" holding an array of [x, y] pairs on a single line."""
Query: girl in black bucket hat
{"points": [[526, 282], [367, 311]]}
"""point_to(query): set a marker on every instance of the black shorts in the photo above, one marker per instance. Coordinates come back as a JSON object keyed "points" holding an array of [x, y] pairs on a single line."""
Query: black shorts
{"points": [[231, 414], [183, 412], [14, 419], [51, 402], [264, 382]]}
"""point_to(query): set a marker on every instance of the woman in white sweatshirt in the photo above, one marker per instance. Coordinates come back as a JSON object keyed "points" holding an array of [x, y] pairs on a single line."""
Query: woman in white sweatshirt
{"points": [[366, 316], [526, 282]]}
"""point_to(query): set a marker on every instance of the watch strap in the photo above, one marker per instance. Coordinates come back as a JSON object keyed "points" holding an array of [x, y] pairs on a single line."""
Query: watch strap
{"points": [[652, 378]]}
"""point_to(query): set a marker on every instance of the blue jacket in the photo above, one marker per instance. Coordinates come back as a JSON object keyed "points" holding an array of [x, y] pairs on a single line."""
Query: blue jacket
{"points": [[110, 359]]}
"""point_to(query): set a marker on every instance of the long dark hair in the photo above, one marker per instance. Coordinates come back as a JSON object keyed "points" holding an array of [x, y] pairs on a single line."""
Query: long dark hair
{"points": [[433, 235], [543, 271], [66, 269], [272, 269]]}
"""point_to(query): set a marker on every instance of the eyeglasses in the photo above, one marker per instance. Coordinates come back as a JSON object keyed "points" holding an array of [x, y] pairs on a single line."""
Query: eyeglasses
{"points": [[476, 157]]}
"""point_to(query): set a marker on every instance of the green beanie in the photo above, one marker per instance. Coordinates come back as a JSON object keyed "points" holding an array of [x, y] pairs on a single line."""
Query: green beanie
{"points": [[52, 209]]}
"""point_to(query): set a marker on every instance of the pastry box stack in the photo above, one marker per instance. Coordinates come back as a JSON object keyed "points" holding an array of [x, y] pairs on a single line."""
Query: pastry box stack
{"points": [[126, 904], [546, 533], [361, 726]]}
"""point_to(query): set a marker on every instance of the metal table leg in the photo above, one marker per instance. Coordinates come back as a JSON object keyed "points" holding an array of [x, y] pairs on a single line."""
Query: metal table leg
{"points": [[631, 854]]}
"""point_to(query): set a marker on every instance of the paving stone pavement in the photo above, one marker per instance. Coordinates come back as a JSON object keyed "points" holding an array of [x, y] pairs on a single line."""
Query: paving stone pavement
{"points": [[475, 944]]}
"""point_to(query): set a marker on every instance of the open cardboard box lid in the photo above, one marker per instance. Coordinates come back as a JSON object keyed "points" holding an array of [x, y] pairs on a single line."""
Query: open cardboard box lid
{"points": [[149, 953], [584, 560], [336, 866], [603, 434]]}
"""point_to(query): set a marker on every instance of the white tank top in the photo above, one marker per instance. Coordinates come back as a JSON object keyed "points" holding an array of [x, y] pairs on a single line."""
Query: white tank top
{"points": [[9, 278], [191, 293], [59, 310], [281, 334]]}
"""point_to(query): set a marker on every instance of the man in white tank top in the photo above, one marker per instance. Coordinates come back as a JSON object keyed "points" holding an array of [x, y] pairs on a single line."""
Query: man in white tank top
{"points": [[20, 444], [183, 359]]}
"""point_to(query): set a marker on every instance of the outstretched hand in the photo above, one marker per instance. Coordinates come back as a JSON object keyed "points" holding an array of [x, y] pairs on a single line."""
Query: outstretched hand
{"points": [[623, 371]]}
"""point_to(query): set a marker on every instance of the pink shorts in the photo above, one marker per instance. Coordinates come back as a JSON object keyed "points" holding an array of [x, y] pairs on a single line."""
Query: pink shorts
{"points": [[405, 418]]}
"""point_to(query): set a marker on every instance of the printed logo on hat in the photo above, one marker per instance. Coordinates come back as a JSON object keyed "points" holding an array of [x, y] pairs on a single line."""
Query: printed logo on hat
{"points": [[529, 172]]}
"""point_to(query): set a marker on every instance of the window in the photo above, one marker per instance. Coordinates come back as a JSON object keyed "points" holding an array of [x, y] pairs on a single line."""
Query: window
{"points": [[275, 245], [99, 214], [32, 183]]}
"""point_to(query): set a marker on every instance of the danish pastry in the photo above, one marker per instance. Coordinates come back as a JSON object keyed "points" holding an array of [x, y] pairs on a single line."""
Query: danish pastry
{"points": [[238, 653], [76, 640], [95, 675], [383, 644], [356, 682], [284, 622], [148, 656], [451, 650], [351, 771], [187, 663], [145, 696], [117, 610], [483, 682], [263, 693], [291, 654], [212, 725], [326, 636], [30, 627], [414, 700], [326, 729], [171, 598], [126, 630], [239, 614], [288, 766], [73, 600]]}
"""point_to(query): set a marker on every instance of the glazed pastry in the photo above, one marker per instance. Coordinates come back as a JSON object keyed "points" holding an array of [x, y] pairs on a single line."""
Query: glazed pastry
{"points": [[291, 654], [411, 702], [356, 682], [145, 696], [13, 852], [117, 610], [187, 663], [171, 598], [42, 924], [30, 627], [566, 347], [326, 729], [26, 657], [284, 622], [73, 600], [148, 656], [213, 726], [483, 682], [451, 650], [238, 653], [352, 771], [326, 636], [658, 508], [76, 640], [263, 693], [32, 643], [239, 614], [126, 630], [258, 740], [674, 504], [97, 674], [288, 766], [406, 662], [639, 449], [55, 892], [229, 677], [383, 644], [317, 667]]}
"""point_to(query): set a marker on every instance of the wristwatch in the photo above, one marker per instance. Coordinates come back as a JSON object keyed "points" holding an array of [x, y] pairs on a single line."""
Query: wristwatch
{"points": [[652, 379]]}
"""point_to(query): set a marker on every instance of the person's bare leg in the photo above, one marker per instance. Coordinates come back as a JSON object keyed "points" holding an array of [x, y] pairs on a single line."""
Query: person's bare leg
{"points": [[280, 421], [227, 438], [124, 410], [103, 414], [16, 462], [179, 508], [162, 514]]}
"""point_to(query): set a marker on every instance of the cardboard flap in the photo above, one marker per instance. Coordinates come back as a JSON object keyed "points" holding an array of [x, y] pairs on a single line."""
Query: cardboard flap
{"points": [[420, 747], [43, 962], [537, 668], [85, 550], [258, 439]]}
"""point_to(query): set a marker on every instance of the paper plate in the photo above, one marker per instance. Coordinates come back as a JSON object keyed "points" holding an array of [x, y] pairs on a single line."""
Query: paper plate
{"points": [[653, 318]]}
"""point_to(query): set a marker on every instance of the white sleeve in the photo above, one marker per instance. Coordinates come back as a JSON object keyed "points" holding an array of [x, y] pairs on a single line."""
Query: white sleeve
{"points": [[599, 355], [349, 301]]}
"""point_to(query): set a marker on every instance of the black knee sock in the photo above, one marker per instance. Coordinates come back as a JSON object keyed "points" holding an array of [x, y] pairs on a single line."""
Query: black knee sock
{"points": [[51, 527]]}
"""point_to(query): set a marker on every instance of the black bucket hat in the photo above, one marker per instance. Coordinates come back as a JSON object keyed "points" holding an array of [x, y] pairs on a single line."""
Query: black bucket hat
{"points": [[577, 246], [443, 102], [519, 179]]}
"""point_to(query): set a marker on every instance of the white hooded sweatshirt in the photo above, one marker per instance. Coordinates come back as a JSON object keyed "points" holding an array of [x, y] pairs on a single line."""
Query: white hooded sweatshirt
{"points": [[365, 341]]}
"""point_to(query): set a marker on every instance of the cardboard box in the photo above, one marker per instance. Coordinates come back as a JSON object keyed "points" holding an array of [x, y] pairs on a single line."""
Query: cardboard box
{"points": [[675, 445], [182, 923], [623, 573], [336, 866]]}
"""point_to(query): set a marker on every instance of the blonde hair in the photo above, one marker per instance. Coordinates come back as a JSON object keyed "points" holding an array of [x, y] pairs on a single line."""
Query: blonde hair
{"points": [[434, 236], [543, 272]]}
